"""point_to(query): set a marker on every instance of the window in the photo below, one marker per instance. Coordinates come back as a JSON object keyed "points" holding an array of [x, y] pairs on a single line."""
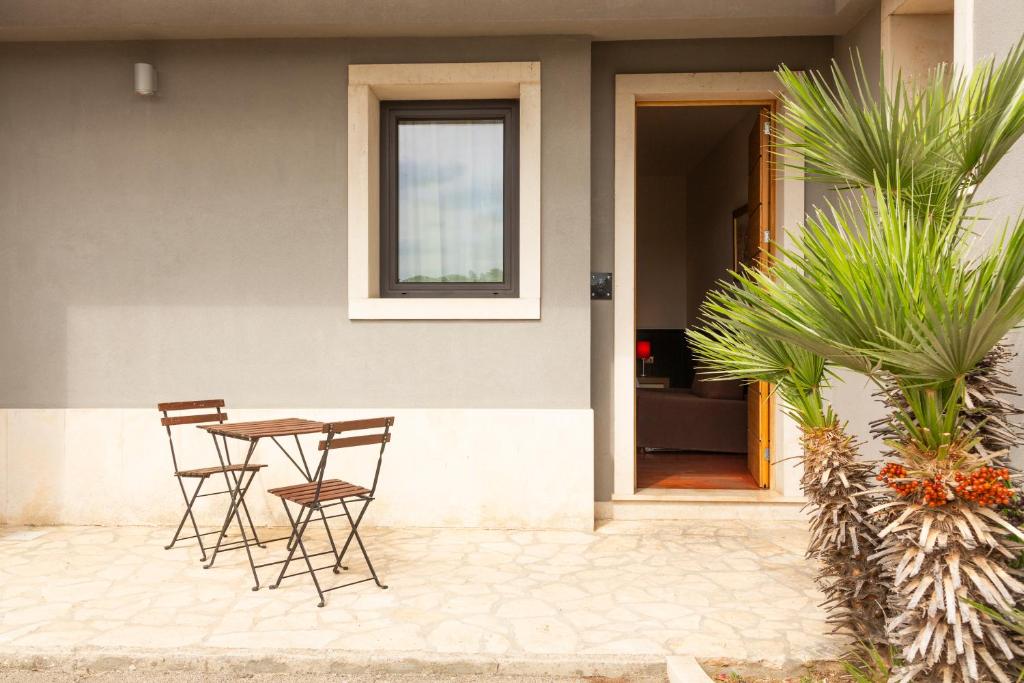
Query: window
{"points": [[449, 224], [374, 87]]}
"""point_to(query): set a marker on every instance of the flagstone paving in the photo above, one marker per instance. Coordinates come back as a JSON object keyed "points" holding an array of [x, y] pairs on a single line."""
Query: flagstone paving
{"points": [[730, 590]]}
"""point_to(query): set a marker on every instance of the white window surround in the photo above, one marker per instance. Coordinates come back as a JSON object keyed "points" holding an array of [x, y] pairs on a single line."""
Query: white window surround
{"points": [[368, 84]]}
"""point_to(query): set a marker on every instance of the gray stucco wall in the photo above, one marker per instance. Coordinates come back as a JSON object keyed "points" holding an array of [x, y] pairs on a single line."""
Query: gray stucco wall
{"points": [[850, 391], [666, 56], [194, 244], [998, 25], [863, 41]]}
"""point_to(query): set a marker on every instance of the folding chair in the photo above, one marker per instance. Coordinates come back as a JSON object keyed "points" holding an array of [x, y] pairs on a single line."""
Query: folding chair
{"points": [[316, 496], [203, 473]]}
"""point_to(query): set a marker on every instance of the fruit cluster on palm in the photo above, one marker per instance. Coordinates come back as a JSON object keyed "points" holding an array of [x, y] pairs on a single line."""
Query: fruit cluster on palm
{"points": [[887, 280]]}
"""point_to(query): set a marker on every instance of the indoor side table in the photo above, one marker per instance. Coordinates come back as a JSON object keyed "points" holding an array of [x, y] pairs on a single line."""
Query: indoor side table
{"points": [[652, 382]]}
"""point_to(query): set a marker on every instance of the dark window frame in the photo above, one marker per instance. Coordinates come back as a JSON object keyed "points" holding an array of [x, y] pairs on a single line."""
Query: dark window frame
{"points": [[392, 113]]}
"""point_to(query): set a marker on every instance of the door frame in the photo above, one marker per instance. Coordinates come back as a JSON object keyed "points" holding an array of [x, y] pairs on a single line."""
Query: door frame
{"points": [[690, 89]]}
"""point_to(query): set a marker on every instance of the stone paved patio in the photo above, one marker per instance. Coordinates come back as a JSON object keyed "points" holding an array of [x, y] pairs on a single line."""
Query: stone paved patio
{"points": [[734, 591]]}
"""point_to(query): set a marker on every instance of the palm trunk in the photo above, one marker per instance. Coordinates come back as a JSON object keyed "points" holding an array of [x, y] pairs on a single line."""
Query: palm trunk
{"points": [[842, 536], [938, 557], [988, 409]]}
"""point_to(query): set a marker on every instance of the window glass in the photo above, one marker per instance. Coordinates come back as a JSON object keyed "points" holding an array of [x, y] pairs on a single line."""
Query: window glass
{"points": [[450, 201]]}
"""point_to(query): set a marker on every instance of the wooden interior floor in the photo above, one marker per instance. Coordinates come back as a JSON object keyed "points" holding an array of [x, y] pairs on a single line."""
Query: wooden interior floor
{"points": [[692, 470]]}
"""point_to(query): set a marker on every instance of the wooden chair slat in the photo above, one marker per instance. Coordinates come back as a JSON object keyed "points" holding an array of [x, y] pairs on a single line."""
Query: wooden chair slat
{"points": [[349, 441], [331, 489], [192, 419], [355, 425], [280, 490], [326, 491], [216, 469], [334, 494], [190, 405]]}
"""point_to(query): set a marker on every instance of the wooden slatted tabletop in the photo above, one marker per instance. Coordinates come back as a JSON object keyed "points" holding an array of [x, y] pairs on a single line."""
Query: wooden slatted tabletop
{"points": [[251, 431]]}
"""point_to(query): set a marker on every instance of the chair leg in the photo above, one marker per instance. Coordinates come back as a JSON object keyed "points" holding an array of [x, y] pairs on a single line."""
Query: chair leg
{"points": [[291, 537], [245, 538], [248, 517], [334, 548], [348, 541], [299, 527], [305, 556], [236, 497], [355, 534], [189, 502], [291, 544], [238, 478]]}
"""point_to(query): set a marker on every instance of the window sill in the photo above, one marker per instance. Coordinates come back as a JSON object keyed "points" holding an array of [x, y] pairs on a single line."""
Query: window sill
{"points": [[444, 309]]}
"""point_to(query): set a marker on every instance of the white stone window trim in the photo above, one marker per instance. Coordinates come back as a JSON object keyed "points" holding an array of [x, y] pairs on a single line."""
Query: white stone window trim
{"points": [[368, 84]]}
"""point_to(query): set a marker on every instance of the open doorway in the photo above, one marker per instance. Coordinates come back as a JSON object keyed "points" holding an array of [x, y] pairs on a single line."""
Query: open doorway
{"points": [[703, 206]]}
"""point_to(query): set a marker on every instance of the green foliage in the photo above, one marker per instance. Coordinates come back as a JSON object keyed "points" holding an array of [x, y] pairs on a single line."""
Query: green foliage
{"points": [[492, 275], [884, 288], [880, 282], [936, 142], [729, 351], [1012, 620], [870, 664], [878, 286]]}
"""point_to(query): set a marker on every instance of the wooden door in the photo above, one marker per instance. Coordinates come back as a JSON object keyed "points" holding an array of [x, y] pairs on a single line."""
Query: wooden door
{"points": [[760, 222]]}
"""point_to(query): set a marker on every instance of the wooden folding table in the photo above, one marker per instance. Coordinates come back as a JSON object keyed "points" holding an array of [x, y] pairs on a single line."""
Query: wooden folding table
{"points": [[252, 432]]}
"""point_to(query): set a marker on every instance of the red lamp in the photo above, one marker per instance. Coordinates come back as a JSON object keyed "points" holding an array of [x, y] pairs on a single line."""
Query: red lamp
{"points": [[643, 352]]}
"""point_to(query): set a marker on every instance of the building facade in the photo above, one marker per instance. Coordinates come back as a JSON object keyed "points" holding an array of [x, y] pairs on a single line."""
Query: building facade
{"points": [[223, 238]]}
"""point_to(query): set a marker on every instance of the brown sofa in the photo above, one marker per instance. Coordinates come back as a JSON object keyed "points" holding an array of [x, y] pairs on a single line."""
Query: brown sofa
{"points": [[711, 416]]}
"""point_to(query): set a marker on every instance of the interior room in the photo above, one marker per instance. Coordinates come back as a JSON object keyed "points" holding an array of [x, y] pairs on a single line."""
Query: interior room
{"points": [[697, 169]]}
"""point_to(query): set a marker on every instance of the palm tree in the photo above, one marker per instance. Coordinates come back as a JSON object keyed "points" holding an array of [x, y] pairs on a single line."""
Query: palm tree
{"points": [[834, 480], [881, 282], [903, 303]]}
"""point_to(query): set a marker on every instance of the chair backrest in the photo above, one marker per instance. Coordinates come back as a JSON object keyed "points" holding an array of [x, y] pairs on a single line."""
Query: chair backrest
{"points": [[169, 421], [381, 434]]}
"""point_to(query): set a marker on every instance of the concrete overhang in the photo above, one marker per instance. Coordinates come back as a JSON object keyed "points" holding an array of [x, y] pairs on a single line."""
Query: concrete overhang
{"points": [[56, 20]]}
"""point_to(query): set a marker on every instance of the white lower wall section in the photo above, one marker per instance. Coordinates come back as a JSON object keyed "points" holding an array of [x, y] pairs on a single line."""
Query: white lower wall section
{"points": [[470, 468]]}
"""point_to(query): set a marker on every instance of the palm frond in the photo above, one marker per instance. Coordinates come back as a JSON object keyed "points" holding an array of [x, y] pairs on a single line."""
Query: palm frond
{"points": [[727, 350], [896, 295], [936, 141]]}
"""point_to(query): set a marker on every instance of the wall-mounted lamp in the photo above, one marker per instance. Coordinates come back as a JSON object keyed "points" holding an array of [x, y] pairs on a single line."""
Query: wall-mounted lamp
{"points": [[145, 79]]}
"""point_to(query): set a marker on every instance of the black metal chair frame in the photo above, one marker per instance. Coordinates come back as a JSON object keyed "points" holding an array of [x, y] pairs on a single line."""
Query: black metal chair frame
{"points": [[225, 468], [300, 520]]}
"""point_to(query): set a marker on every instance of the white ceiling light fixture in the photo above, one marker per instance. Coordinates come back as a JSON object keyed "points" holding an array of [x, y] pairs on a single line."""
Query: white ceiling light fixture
{"points": [[145, 79]]}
